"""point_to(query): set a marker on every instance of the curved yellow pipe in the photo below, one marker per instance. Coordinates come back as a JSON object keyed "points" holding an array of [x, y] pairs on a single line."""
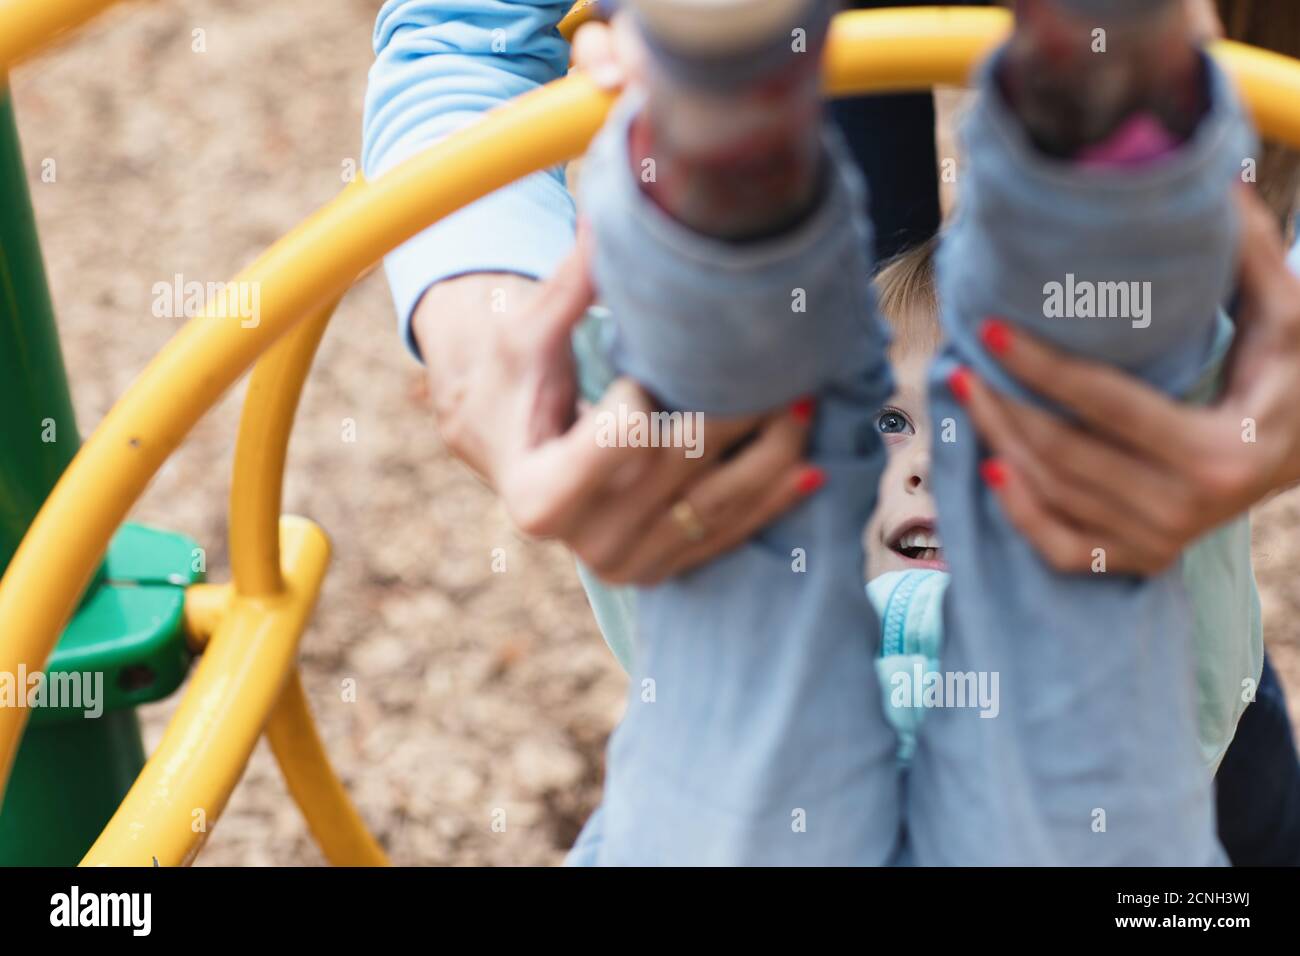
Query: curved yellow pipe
{"points": [[883, 51], [329, 811], [27, 26], [265, 425], [578, 14], [316, 261], [1269, 84], [260, 453], [237, 683], [205, 606], [255, 498]]}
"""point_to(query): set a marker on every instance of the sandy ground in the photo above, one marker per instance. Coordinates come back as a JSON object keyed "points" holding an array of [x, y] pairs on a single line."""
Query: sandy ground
{"points": [[477, 692]]}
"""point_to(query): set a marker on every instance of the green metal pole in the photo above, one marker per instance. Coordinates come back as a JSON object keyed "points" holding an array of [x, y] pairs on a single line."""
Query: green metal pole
{"points": [[68, 778], [38, 434]]}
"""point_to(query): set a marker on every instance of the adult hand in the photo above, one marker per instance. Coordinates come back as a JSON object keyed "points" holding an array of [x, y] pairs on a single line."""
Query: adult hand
{"points": [[502, 377], [1139, 474], [611, 54]]}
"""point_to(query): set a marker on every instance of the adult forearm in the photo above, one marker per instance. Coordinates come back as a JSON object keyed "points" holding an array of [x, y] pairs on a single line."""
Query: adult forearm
{"points": [[437, 68], [454, 325]]}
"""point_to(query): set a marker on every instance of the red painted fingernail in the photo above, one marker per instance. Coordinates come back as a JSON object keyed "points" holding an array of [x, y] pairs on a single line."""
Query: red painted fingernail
{"points": [[959, 384], [996, 336], [803, 409], [993, 472], [810, 479]]}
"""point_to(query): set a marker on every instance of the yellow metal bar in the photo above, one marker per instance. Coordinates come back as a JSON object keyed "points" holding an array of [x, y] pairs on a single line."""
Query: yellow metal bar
{"points": [[315, 262], [255, 497], [26, 26], [205, 606], [881, 51], [239, 680], [320, 795], [255, 501], [263, 445], [1269, 84], [578, 14]]}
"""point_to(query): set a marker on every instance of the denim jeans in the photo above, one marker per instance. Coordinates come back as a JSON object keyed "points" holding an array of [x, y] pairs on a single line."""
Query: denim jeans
{"points": [[1258, 784]]}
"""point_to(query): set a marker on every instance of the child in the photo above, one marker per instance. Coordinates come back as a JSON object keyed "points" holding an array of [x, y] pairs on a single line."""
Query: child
{"points": [[905, 566], [752, 733], [1228, 632], [907, 577]]}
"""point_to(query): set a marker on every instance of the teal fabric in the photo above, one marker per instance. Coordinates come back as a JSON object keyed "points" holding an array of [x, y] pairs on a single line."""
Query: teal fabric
{"points": [[910, 607], [614, 607], [615, 611], [1228, 627]]}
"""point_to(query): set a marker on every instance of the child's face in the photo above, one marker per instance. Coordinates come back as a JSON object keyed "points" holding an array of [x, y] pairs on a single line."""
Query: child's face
{"points": [[901, 533]]}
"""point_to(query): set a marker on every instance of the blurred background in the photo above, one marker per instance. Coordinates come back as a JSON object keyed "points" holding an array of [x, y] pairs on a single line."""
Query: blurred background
{"points": [[475, 691]]}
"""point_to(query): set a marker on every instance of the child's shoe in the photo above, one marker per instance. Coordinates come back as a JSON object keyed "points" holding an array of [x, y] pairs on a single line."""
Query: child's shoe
{"points": [[729, 143], [1092, 79]]}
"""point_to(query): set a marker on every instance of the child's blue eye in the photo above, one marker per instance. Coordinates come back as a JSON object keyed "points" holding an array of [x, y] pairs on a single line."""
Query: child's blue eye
{"points": [[891, 422]]}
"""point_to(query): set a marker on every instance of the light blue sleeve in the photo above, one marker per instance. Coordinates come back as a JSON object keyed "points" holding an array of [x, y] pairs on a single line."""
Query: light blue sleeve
{"points": [[439, 65]]}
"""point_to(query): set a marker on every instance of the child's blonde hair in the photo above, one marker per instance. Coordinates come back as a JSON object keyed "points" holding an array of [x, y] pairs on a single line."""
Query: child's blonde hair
{"points": [[909, 300]]}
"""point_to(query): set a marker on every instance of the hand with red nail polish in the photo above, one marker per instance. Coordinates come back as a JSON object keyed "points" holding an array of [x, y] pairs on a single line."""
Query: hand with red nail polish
{"points": [[959, 383], [1126, 468], [993, 472], [996, 335], [811, 479], [504, 389], [803, 409]]}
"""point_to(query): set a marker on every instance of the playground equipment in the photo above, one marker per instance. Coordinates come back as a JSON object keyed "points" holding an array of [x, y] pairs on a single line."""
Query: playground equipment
{"points": [[63, 603]]}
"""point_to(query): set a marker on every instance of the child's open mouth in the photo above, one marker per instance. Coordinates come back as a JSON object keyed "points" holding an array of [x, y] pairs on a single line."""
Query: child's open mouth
{"points": [[919, 543]]}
